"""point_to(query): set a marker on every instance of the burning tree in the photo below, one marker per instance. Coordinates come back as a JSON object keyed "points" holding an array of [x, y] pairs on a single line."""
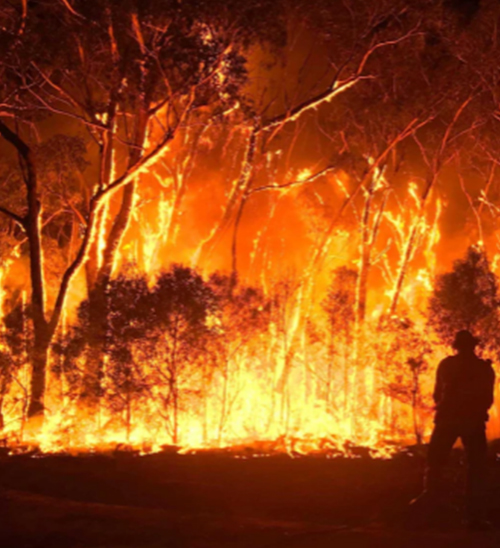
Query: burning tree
{"points": [[243, 315], [351, 45], [403, 363], [130, 77], [339, 305]]}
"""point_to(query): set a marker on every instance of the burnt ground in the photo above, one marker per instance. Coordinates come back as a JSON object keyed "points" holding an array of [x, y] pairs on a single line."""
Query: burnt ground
{"points": [[214, 500]]}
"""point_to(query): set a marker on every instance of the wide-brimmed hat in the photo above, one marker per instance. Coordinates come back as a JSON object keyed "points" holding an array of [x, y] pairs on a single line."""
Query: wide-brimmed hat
{"points": [[465, 339]]}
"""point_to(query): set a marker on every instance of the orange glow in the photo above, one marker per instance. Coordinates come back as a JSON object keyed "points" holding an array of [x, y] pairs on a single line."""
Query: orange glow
{"points": [[295, 386]]}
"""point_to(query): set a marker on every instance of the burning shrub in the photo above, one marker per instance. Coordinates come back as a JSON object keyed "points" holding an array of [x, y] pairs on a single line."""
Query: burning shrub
{"points": [[403, 361]]}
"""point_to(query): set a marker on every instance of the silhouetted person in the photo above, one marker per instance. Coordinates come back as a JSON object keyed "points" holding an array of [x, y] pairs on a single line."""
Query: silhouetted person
{"points": [[463, 394]]}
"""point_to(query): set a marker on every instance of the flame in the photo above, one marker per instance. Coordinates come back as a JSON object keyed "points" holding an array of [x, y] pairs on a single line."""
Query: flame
{"points": [[298, 386]]}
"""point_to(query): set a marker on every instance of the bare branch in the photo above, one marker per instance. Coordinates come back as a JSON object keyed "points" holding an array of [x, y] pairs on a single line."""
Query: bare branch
{"points": [[14, 140], [58, 88], [447, 133], [315, 102], [336, 88], [472, 206], [62, 112], [309, 179], [18, 219], [491, 176], [71, 9]]}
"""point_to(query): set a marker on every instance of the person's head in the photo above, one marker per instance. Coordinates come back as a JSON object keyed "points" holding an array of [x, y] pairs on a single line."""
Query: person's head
{"points": [[465, 341]]}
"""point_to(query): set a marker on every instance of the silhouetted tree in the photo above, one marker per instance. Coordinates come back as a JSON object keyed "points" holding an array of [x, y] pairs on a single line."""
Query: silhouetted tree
{"points": [[123, 375], [465, 298], [129, 319], [183, 306]]}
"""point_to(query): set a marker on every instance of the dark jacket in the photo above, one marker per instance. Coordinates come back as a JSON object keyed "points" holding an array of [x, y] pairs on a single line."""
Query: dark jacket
{"points": [[464, 389]]}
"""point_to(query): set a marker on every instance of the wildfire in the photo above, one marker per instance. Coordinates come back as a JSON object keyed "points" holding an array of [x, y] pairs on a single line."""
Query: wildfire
{"points": [[237, 237], [276, 384]]}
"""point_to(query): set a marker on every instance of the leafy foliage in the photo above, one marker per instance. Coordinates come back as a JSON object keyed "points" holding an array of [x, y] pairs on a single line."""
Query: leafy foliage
{"points": [[465, 298]]}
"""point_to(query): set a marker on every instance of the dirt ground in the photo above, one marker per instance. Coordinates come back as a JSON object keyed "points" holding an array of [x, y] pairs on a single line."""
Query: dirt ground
{"points": [[215, 500]]}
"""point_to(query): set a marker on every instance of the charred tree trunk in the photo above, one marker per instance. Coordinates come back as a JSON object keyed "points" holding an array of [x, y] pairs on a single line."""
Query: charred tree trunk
{"points": [[42, 336], [175, 398], [174, 385], [415, 398], [416, 428], [91, 383], [128, 403], [2, 420]]}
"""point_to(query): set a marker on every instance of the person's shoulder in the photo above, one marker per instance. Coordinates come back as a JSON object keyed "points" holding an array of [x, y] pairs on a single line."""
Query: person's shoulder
{"points": [[447, 362], [487, 365]]}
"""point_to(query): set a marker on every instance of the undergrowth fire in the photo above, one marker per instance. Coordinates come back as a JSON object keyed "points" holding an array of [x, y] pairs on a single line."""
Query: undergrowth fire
{"points": [[241, 228]]}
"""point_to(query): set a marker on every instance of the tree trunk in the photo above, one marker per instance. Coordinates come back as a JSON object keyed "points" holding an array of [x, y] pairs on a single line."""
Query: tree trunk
{"points": [[176, 412], [91, 384], [38, 373], [128, 411], [32, 225], [411, 243], [414, 406], [365, 263], [2, 421], [223, 412]]}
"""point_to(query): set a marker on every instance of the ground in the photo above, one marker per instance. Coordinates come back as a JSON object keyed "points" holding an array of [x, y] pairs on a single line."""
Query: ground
{"points": [[215, 500]]}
